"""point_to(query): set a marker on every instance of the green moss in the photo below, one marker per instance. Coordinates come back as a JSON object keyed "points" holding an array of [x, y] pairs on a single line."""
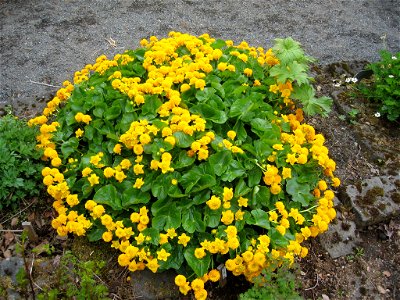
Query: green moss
{"points": [[396, 198], [372, 194]]}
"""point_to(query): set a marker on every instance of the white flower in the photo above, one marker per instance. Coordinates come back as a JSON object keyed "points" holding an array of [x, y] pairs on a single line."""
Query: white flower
{"points": [[336, 84], [350, 79], [377, 114], [390, 76], [394, 57]]}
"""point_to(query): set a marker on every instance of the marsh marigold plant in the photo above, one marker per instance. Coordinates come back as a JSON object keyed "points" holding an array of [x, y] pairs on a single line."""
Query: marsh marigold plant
{"points": [[191, 153]]}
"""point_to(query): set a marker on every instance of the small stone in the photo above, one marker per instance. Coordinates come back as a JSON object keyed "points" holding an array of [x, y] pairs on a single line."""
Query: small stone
{"points": [[381, 289], [14, 222], [7, 253], [386, 273], [325, 297], [302, 273]]}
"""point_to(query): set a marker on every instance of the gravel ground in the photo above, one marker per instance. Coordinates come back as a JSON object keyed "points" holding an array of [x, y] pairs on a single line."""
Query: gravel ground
{"points": [[47, 41]]}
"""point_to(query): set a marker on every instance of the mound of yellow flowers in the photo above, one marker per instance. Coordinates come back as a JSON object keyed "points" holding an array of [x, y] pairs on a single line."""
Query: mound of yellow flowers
{"points": [[191, 153]]}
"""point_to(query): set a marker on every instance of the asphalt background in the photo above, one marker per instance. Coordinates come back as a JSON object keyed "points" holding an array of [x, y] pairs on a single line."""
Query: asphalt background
{"points": [[45, 42]]}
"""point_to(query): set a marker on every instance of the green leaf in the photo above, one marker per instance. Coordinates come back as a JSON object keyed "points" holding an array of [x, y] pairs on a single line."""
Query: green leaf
{"points": [[234, 170], [220, 161], [312, 105], [95, 234], [192, 220], [239, 106], [151, 105], [209, 113], [133, 196], [174, 261], [241, 188], [260, 126], [218, 44], [260, 218], [183, 140], [112, 113], [205, 181], [300, 192], [212, 217], [168, 217], [199, 266], [261, 196], [205, 94], [108, 195], [254, 176], [69, 147], [184, 160], [160, 188]]}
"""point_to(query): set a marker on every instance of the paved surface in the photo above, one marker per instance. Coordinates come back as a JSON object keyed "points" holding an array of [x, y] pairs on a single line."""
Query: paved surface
{"points": [[47, 41]]}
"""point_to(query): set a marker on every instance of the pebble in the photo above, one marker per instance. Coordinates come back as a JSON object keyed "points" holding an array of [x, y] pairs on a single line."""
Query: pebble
{"points": [[386, 273]]}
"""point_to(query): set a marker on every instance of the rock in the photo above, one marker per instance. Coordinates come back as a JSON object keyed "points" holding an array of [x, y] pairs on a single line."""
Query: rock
{"points": [[341, 238], [148, 286], [375, 199], [10, 266]]}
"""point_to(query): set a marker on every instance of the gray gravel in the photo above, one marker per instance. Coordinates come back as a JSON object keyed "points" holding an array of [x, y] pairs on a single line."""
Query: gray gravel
{"points": [[47, 41]]}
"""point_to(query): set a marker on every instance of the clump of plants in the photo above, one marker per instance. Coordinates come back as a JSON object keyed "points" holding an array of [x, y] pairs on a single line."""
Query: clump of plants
{"points": [[274, 284], [384, 86], [20, 162], [189, 153]]}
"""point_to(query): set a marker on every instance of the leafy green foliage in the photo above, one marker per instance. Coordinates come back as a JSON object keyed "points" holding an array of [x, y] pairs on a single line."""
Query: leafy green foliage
{"points": [[76, 280], [20, 163], [279, 284], [384, 88], [186, 156]]}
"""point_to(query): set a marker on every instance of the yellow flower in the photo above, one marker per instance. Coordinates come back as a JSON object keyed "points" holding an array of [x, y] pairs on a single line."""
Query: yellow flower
{"points": [[180, 280], [214, 203], [153, 265], [203, 154], [138, 169], [183, 239], [117, 148], [199, 253], [231, 134], [90, 204], [291, 158], [286, 173], [335, 182], [228, 193], [170, 140], [72, 200], [200, 294], [243, 201], [171, 233], [197, 284], [86, 171], [275, 189], [98, 211], [79, 132], [138, 183], [248, 72], [247, 256], [93, 179], [56, 162], [135, 217], [231, 231], [107, 236], [163, 255], [227, 217], [108, 172], [184, 289], [281, 229], [119, 176]]}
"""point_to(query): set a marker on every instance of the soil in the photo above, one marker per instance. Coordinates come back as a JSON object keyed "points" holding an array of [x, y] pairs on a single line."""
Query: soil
{"points": [[42, 43]]}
